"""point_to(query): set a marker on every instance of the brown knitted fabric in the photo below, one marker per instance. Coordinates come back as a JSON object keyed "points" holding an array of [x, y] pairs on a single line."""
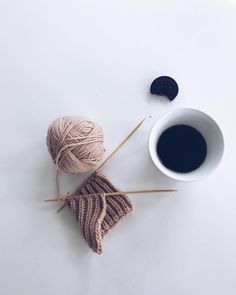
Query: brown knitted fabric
{"points": [[98, 214]]}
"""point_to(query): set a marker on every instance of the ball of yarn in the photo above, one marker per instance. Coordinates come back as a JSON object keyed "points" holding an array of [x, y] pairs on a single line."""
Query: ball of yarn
{"points": [[76, 144]]}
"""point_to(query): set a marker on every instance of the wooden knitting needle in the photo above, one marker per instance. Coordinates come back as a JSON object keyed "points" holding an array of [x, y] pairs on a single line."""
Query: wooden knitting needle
{"points": [[62, 207], [121, 144], [116, 193]]}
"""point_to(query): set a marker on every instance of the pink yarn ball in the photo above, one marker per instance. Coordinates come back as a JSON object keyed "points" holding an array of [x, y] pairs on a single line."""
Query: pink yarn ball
{"points": [[76, 144]]}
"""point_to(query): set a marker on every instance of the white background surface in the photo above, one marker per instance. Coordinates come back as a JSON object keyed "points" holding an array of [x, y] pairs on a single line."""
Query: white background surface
{"points": [[97, 59]]}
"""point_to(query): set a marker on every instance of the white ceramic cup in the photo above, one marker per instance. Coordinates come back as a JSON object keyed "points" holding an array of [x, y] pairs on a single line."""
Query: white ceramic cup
{"points": [[202, 122]]}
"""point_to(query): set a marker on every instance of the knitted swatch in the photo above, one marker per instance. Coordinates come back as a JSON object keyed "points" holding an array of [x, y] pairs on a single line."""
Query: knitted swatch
{"points": [[98, 214]]}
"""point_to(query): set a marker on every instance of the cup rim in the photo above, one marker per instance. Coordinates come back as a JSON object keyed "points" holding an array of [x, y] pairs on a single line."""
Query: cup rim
{"points": [[176, 175]]}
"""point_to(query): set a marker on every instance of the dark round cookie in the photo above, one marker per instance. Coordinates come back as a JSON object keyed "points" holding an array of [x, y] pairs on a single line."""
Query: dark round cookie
{"points": [[165, 85]]}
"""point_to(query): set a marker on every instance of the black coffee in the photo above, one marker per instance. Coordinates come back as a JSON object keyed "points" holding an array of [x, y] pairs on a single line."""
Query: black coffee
{"points": [[181, 148]]}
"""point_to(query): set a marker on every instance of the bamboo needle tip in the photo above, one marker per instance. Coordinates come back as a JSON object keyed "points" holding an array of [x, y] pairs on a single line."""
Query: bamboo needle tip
{"points": [[61, 208]]}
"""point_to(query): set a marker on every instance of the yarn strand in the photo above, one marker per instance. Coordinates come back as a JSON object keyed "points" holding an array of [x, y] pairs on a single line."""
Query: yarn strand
{"points": [[58, 182]]}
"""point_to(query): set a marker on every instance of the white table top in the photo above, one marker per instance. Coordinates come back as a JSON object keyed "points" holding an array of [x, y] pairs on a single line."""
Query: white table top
{"points": [[97, 59]]}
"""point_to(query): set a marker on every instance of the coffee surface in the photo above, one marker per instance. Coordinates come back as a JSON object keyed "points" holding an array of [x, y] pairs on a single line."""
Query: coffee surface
{"points": [[182, 148]]}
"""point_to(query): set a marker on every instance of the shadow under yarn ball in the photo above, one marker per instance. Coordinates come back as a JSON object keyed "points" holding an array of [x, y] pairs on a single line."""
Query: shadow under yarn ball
{"points": [[76, 144]]}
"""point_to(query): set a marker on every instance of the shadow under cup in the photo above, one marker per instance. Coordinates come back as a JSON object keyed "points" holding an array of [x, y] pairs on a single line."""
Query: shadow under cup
{"points": [[203, 123]]}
